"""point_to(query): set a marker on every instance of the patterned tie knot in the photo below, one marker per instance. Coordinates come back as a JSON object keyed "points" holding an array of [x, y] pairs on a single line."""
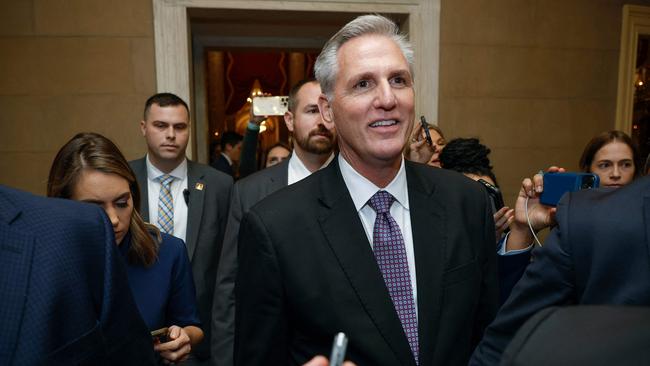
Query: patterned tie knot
{"points": [[381, 202], [165, 180]]}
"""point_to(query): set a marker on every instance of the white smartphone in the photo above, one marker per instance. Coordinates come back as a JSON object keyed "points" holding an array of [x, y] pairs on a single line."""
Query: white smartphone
{"points": [[339, 347], [270, 106]]}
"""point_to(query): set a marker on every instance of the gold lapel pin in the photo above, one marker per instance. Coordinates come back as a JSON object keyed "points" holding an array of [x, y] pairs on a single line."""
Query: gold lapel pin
{"points": [[199, 186]]}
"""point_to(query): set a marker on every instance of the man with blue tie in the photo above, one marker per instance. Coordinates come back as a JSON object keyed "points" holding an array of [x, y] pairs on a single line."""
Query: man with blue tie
{"points": [[183, 198], [397, 255]]}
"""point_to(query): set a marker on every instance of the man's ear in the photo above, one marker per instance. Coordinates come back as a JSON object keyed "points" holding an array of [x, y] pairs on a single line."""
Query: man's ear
{"points": [[324, 108], [142, 129], [288, 120]]}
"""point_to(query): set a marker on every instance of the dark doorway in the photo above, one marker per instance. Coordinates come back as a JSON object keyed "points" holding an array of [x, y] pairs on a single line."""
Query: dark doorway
{"points": [[641, 111], [235, 51]]}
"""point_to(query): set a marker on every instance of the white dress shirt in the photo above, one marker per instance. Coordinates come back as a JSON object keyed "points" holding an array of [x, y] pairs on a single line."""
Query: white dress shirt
{"points": [[177, 187], [361, 189], [228, 159], [298, 171]]}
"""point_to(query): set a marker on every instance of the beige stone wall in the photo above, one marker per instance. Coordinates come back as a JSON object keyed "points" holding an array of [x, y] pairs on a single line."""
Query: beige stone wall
{"points": [[68, 66], [535, 80]]}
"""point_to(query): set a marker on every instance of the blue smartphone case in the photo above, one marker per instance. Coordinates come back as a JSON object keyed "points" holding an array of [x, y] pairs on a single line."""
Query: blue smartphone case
{"points": [[557, 184]]}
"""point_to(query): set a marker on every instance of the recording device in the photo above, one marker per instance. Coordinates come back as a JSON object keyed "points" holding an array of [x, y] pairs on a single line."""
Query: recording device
{"points": [[160, 335], [339, 346], [495, 194], [557, 184], [270, 106], [425, 127]]}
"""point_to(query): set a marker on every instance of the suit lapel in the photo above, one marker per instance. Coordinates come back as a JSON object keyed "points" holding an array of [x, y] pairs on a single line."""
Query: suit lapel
{"points": [[140, 170], [344, 232], [282, 179], [429, 238], [196, 186], [279, 178], [16, 250]]}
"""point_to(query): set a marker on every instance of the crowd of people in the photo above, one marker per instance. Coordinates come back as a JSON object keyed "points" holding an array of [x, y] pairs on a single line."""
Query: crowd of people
{"points": [[366, 225]]}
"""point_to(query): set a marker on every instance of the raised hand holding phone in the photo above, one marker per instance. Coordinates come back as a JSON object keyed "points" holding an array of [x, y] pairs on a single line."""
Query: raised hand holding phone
{"points": [[270, 105], [421, 148], [425, 127], [557, 184]]}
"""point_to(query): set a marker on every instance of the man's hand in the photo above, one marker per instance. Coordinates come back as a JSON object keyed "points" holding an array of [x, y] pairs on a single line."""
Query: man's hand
{"points": [[177, 349], [502, 220], [322, 361], [541, 216]]}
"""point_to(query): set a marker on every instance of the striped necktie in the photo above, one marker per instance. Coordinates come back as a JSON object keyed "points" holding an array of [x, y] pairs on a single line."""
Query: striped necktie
{"points": [[166, 204]]}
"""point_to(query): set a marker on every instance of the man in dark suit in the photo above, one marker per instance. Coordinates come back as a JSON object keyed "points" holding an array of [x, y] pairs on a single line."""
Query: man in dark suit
{"points": [[314, 142], [231, 146], [397, 255], [598, 254], [183, 198], [64, 295]]}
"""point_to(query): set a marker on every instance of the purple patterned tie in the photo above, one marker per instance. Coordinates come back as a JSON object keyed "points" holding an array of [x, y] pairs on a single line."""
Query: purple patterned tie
{"points": [[390, 253]]}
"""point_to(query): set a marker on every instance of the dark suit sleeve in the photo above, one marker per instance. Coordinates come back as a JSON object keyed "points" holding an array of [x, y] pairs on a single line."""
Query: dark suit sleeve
{"points": [[260, 319], [488, 301], [126, 336], [511, 268], [223, 307], [548, 281], [248, 158]]}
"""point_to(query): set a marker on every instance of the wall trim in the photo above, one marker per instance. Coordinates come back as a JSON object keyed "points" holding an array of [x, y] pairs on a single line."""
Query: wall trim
{"points": [[636, 21], [173, 51]]}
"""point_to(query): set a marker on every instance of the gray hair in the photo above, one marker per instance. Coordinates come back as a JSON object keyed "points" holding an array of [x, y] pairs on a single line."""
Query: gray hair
{"points": [[326, 67]]}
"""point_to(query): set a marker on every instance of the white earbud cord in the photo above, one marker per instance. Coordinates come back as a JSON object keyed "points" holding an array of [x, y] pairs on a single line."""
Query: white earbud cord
{"points": [[530, 226]]}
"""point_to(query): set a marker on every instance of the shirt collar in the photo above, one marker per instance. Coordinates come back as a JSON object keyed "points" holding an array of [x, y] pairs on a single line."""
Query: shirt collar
{"points": [[298, 168], [361, 189], [228, 159], [180, 172]]}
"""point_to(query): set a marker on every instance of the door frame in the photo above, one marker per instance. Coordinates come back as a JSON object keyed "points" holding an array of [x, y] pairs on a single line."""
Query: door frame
{"points": [[173, 44]]}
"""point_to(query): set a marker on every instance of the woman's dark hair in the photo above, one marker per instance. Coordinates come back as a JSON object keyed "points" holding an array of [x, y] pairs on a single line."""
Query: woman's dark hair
{"points": [[267, 151], [438, 130], [93, 151], [468, 156], [603, 139]]}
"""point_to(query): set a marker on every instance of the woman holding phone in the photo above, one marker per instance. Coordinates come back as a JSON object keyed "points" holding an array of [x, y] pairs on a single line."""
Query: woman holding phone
{"points": [[427, 142], [90, 168], [612, 156]]}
